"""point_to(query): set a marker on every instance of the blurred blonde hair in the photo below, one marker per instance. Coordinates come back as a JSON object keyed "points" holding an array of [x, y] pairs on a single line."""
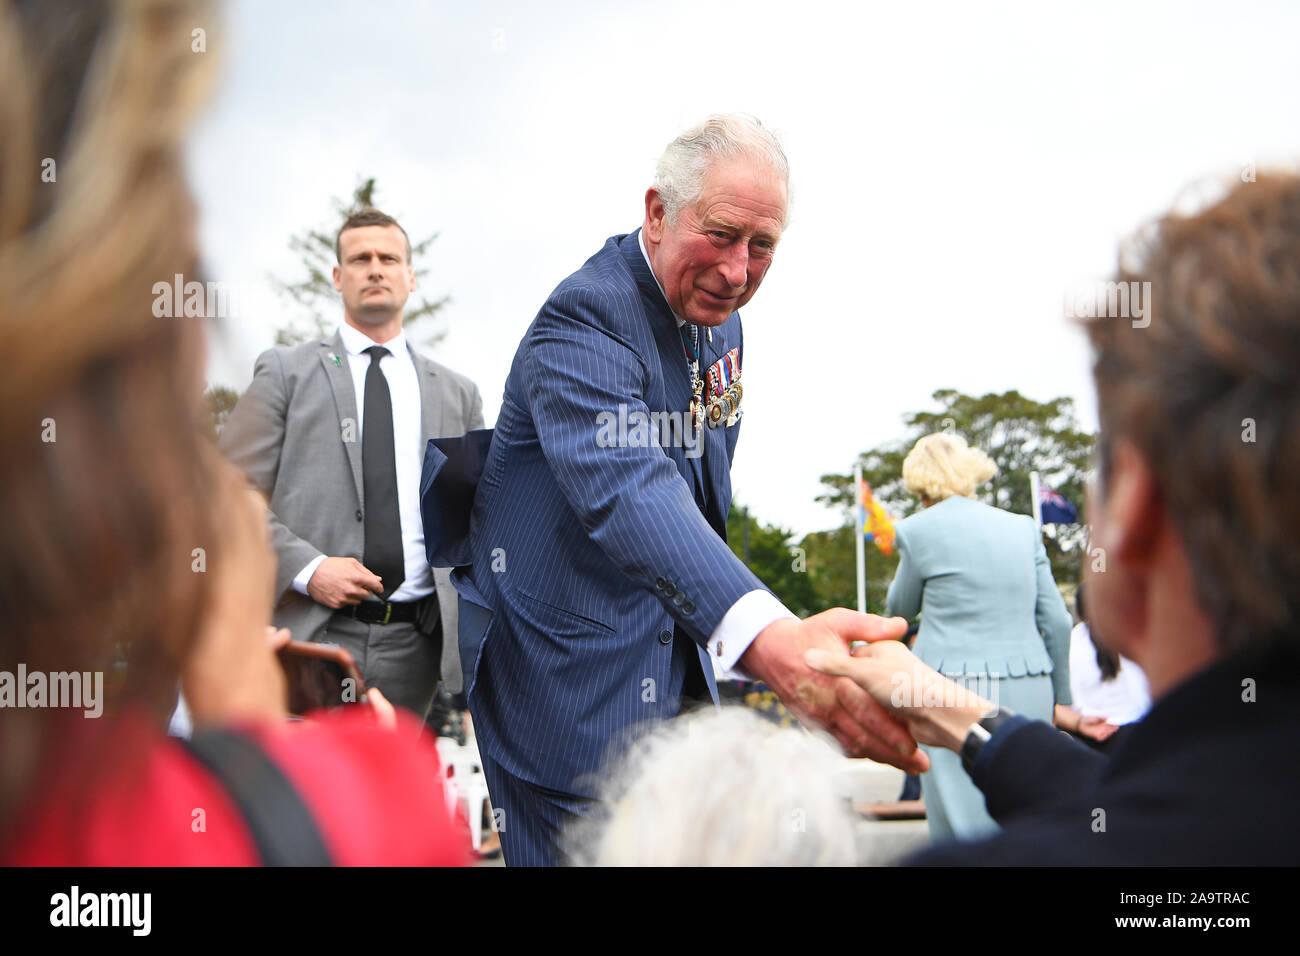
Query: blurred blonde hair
{"points": [[106, 90], [109, 485], [942, 465]]}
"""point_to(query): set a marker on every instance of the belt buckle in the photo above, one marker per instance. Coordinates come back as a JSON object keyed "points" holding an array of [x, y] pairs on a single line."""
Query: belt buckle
{"points": [[388, 612]]}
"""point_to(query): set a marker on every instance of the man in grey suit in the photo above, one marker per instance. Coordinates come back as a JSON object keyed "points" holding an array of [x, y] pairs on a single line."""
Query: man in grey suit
{"points": [[333, 433]]}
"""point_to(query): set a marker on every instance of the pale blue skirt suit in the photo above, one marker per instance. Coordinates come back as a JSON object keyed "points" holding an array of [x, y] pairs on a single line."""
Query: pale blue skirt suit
{"points": [[991, 618]]}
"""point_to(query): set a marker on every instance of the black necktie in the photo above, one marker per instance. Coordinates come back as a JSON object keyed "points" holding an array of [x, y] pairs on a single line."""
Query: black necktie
{"points": [[383, 554]]}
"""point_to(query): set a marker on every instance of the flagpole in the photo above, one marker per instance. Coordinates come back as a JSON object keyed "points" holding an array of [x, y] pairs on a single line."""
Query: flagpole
{"points": [[1033, 496], [858, 543]]}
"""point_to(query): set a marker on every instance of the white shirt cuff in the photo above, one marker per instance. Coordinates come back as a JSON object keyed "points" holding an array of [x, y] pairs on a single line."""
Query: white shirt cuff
{"points": [[738, 628], [300, 582]]}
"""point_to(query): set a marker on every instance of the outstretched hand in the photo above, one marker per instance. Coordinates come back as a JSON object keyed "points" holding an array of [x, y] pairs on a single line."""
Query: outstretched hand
{"points": [[861, 725], [935, 710], [1096, 728]]}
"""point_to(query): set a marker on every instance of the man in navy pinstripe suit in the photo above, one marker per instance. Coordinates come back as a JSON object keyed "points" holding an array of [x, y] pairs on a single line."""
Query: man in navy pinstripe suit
{"points": [[600, 582]]}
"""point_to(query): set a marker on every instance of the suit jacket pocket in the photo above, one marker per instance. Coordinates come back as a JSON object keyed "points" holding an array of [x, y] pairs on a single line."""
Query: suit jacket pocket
{"points": [[555, 621]]}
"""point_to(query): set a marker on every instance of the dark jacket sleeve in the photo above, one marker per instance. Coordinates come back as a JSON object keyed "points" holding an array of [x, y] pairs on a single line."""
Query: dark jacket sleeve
{"points": [[1029, 764], [1025, 768]]}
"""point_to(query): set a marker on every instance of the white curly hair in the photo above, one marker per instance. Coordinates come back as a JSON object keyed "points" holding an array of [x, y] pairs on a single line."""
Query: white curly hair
{"points": [[722, 788]]}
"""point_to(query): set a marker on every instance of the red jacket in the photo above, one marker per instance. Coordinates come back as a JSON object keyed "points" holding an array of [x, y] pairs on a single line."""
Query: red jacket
{"points": [[125, 795]]}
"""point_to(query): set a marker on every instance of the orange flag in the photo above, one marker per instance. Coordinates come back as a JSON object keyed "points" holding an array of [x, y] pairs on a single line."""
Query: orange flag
{"points": [[875, 522]]}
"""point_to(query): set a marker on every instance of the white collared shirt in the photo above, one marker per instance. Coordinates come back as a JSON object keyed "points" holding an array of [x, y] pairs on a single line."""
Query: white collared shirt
{"points": [[755, 610], [408, 448]]}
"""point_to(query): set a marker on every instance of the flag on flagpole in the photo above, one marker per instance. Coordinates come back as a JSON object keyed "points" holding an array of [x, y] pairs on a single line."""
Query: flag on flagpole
{"points": [[876, 526], [859, 549], [1055, 508]]}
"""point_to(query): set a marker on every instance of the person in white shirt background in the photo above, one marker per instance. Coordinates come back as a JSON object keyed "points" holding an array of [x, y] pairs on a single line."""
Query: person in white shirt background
{"points": [[1104, 683]]}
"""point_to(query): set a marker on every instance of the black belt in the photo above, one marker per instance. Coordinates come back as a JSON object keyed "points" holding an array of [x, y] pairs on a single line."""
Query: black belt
{"points": [[385, 612]]}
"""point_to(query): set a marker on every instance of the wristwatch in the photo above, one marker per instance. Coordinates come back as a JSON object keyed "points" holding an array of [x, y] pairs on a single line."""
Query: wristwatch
{"points": [[979, 735]]}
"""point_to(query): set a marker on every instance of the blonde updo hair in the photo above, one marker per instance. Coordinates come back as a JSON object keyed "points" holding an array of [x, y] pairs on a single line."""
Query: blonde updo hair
{"points": [[942, 465]]}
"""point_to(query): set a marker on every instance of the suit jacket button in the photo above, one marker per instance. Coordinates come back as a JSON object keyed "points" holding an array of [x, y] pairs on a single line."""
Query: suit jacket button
{"points": [[665, 637], [659, 583], [679, 599], [358, 514], [670, 589], [688, 607]]}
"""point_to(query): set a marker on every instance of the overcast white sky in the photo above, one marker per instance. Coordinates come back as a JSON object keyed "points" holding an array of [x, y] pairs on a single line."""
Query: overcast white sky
{"points": [[957, 167]]}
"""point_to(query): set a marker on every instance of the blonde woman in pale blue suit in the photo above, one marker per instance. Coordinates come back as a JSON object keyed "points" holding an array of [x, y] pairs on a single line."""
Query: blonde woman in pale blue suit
{"points": [[991, 616]]}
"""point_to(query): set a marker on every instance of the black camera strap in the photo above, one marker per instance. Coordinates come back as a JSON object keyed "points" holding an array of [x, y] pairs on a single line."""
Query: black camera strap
{"points": [[279, 821]]}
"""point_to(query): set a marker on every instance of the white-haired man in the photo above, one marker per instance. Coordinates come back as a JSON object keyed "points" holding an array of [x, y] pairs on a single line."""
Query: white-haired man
{"points": [[598, 581]]}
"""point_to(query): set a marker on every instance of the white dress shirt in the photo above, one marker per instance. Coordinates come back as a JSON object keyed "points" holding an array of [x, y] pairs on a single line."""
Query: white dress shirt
{"points": [[408, 449], [754, 611], [1124, 698]]}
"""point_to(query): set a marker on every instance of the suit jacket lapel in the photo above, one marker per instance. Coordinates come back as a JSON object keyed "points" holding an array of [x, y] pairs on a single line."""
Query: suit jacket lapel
{"points": [[672, 357], [339, 374], [431, 410]]}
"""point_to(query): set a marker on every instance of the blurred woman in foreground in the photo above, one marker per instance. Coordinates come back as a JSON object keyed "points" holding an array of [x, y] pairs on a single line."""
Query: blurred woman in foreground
{"points": [[125, 534]]}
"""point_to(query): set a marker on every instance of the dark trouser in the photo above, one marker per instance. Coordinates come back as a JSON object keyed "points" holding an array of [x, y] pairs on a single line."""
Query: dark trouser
{"points": [[537, 824], [911, 787], [402, 659], [695, 689], [534, 822]]}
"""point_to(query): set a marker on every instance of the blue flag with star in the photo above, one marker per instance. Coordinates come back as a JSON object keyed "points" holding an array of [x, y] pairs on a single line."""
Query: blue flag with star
{"points": [[1055, 509]]}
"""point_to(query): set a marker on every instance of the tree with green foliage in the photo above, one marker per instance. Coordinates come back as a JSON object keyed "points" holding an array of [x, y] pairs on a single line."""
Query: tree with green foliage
{"points": [[816, 573], [314, 294], [220, 403], [1018, 433], [832, 566], [767, 550]]}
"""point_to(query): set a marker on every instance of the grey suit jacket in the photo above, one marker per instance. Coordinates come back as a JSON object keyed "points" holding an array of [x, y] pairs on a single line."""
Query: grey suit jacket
{"points": [[294, 435]]}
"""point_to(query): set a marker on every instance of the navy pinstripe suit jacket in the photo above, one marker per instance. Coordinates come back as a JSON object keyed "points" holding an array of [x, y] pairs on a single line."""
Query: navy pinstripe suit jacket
{"points": [[585, 558]]}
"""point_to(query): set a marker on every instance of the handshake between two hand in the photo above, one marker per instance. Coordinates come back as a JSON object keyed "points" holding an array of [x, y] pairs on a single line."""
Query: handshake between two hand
{"points": [[871, 702]]}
